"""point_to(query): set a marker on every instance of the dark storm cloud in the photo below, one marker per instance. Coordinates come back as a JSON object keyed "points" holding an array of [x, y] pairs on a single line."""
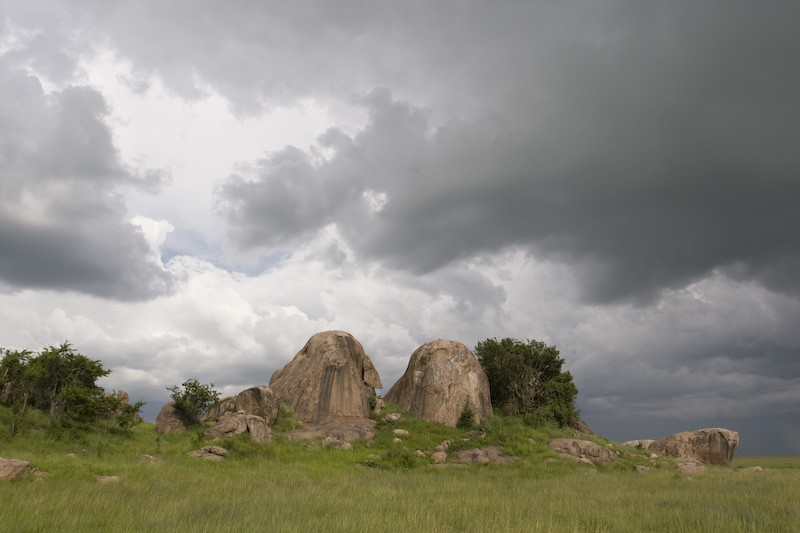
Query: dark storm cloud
{"points": [[62, 221]]}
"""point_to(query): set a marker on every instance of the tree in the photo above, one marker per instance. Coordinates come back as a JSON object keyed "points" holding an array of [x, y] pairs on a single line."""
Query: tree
{"points": [[60, 382], [193, 399], [525, 378]]}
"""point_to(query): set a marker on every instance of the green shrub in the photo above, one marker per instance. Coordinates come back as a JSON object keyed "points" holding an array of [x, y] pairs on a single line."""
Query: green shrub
{"points": [[286, 419], [192, 399], [467, 418]]}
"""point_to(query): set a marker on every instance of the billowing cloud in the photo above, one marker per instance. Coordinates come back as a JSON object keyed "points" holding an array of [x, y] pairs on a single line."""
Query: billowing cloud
{"points": [[62, 217]]}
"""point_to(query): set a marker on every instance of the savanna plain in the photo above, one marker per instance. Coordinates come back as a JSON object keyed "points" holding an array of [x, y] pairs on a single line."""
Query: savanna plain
{"points": [[377, 486]]}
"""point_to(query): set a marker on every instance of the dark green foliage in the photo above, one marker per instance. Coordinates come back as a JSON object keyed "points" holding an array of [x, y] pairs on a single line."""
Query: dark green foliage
{"points": [[467, 418], [525, 378], [62, 383], [192, 399]]}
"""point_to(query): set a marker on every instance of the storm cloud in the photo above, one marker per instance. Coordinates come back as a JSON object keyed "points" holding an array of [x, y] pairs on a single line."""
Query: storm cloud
{"points": [[615, 177]]}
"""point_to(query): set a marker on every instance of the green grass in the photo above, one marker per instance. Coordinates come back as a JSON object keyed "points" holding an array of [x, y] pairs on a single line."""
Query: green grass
{"points": [[291, 486]]}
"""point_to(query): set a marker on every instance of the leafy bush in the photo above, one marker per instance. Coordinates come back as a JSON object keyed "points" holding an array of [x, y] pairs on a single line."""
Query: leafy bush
{"points": [[525, 379], [192, 399], [286, 419]]}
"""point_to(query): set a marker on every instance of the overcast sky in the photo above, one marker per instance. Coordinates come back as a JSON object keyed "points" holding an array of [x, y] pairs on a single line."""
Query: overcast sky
{"points": [[191, 189]]}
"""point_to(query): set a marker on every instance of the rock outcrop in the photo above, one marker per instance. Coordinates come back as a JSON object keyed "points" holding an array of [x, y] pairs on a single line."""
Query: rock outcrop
{"points": [[259, 401], [330, 378], [442, 379], [344, 429], [232, 424], [711, 446], [583, 449], [215, 412], [209, 453], [169, 420]]}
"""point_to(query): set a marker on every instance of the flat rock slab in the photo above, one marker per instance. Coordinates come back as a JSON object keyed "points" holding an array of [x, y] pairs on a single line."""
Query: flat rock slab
{"points": [[583, 448], [489, 454], [345, 429], [209, 453]]}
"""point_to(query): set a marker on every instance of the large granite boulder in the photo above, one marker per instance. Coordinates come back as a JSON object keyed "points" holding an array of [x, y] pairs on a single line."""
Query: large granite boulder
{"points": [[442, 379], [232, 424], [170, 420], [260, 401], [711, 446], [330, 378], [583, 449]]}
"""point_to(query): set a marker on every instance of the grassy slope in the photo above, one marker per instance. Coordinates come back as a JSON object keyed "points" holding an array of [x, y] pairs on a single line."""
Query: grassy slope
{"points": [[287, 486]]}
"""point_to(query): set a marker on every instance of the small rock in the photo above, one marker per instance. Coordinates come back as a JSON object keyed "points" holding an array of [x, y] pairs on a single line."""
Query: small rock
{"points": [[641, 469], [531, 441], [653, 456], [392, 417], [336, 444], [439, 448], [71, 456], [751, 469], [476, 434], [585, 461], [420, 453], [439, 457], [396, 440], [209, 453], [691, 468], [400, 432], [107, 479]]}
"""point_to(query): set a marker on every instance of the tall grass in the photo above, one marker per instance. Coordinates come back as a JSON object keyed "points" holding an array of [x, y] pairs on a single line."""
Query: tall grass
{"points": [[290, 486]]}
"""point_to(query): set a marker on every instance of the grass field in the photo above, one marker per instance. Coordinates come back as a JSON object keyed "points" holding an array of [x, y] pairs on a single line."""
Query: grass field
{"points": [[290, 486]]}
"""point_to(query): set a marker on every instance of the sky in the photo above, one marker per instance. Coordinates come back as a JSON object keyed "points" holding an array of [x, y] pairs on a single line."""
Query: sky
{"points": [[193, 189]]}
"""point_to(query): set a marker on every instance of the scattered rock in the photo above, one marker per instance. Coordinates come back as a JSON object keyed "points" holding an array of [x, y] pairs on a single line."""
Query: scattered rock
{"points": [[331, 377], [71, 456], [330, 442], [476, 434], [442, 379], [751, 469], [712, 446], [170, 420], [583, 448], [14, 468], [391, 417], [641, 469], [489, 454], [420, 453], [396, 440], [260, 401], [210, 453], [653, 456], [439, 457], [645, 443], [585, 461], [400, 432], [107, 479], [439, 448], [149, 459], [691, 468]]}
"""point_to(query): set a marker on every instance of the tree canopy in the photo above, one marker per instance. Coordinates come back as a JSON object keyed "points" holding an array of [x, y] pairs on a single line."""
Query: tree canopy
{"points": [[525, 378], [192, 399], [60, 382]]}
